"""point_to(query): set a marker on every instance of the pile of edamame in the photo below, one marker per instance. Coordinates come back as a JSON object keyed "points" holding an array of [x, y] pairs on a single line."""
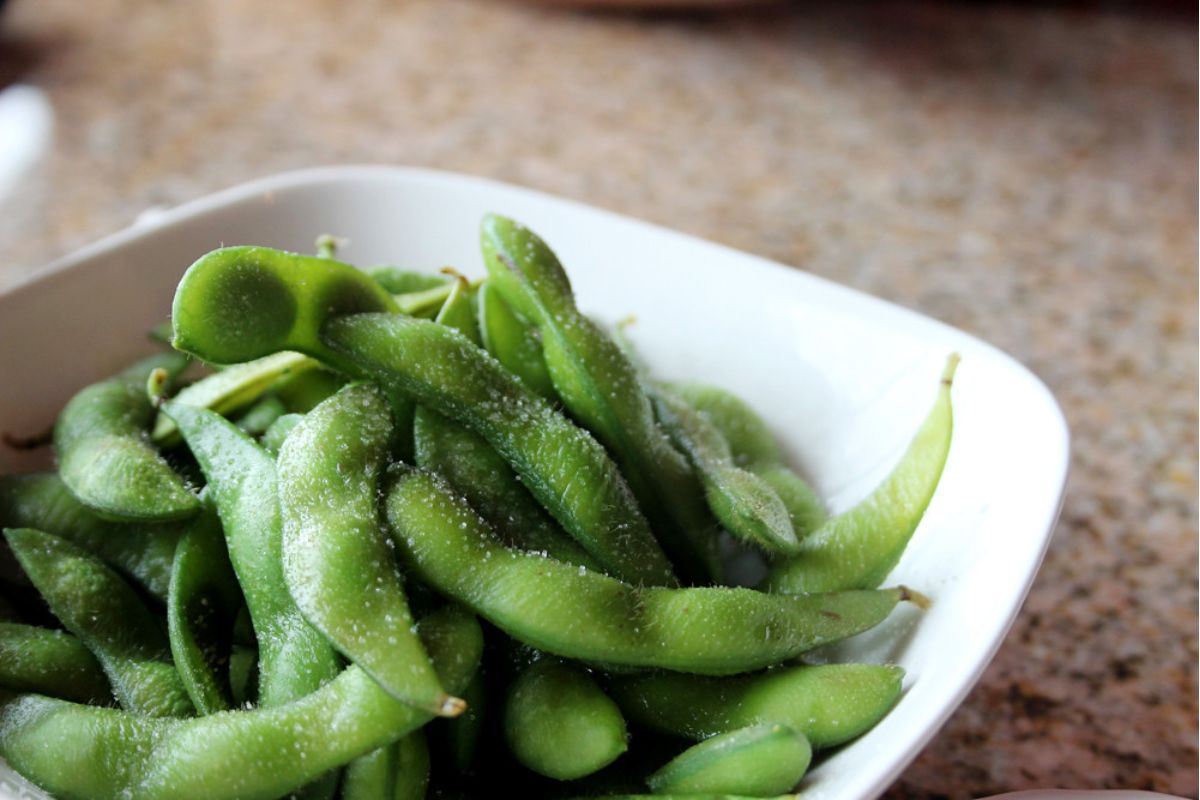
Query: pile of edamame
{"points": [[378, 534]]}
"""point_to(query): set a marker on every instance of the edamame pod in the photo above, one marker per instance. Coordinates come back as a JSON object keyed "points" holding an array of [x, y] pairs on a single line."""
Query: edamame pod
{"points": [[397, 280], [564, 468], [304, 392], [474, 468], [602, 389], [396, 772], [461, 735], [513, 342], [412, 766], [260, 416], [202, 604], [370, 777], [294, 658], [484, 478], [242, 303], [275, 435], [53, 663], [828, 703], [140, 551], [743, 502], [546, 604], [758, 761], [232, 389], [243, 674], [337, 561], [105, 457], [560, 724], [75, 751], [96, 605], [858, 548], [755, 449]]}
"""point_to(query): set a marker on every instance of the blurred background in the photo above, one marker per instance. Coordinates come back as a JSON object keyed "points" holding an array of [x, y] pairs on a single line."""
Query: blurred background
{"points": [[1024, 171]]}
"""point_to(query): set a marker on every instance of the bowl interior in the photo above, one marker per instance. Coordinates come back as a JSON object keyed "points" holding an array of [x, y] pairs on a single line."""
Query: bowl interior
{"points": [[843, 379]]}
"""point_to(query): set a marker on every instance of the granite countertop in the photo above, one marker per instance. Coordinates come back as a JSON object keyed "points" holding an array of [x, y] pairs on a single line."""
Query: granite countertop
{"points": [[1024, 172]]}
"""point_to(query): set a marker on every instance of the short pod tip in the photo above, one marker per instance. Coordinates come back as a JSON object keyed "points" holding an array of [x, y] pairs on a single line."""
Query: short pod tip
{"points": [[950, 368], [918, 599], [451, 706], [156, 386]]}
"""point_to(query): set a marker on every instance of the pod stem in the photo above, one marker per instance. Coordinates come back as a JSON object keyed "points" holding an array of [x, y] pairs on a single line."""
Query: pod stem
{"points": [[328, 244], [950, 368], [156, 386], [918, 599], [451, 706]]}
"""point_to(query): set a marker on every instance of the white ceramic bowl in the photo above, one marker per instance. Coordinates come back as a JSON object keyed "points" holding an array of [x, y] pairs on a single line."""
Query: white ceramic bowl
{"points": [[841, 377]]}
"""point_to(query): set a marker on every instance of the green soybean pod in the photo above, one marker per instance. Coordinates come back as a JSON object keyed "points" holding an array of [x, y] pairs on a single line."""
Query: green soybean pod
{"points": [[828, 703], [75, 751], [202, 604], [758, 761], [412, 766], [236, 387], [53, 663], [514, 342], [602, 389], [256, 419], [140, 551], [858, 548], [560, 724], [96, 605], [105, 456], [576, 613], [294, 658], [395, 772], [337, 561], [481, 474], [397, 280], [243, 674], [275, 435], [370, 777], [754, 448], [743, 502], [485, 479], [462, 734], [303, 392]]}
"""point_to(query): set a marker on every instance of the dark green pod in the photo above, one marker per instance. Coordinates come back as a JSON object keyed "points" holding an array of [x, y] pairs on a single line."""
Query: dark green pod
{"points": [[96, 605], [105, 455], [514, 342], [560, 724], [829, 703], [759, 761], [603, 391], [337, 560], [53, 663], [140, 551], [202, 605], [754, 448], [75, 751], [546, 604], [294, 658]]}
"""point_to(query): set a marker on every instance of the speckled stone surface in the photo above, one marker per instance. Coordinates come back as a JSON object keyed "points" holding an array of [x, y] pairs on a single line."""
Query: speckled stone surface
{"points": [[1027, 173]]}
